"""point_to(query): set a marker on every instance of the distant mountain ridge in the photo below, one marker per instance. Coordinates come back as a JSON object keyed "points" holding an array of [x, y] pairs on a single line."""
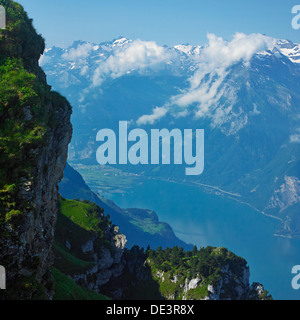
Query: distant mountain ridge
{"points": [[243, 92], [84, 52]]}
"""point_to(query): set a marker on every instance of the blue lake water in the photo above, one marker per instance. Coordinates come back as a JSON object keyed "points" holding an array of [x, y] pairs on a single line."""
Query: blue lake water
{"points": [[207, 219]]}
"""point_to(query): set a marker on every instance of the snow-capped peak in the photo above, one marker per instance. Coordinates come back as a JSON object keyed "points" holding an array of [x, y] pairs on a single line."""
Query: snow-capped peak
{"points": [[289, 49], [120, 41], [187, 49]]}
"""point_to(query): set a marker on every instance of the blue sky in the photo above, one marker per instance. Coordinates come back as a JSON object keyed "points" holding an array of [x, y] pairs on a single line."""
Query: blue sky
{"points": [[165, 21]]}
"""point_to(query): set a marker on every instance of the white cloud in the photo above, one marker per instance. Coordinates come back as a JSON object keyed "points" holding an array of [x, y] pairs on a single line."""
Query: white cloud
{"points": [[157, 114], [295, 138], [207, 84], [222, 53], [134, 55], [79, 53], [213, 62]]}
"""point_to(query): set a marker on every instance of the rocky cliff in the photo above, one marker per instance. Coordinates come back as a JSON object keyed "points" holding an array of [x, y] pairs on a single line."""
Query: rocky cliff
{"points": [[35, 131], [173, 274], [87, 247], [92, 253]]}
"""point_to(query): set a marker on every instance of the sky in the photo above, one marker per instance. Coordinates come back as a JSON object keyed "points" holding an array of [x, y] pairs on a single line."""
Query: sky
{"points": [[167, 22]]}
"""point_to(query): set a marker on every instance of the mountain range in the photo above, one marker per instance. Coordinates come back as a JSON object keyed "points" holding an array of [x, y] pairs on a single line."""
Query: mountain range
{"points": [[244, 92]]}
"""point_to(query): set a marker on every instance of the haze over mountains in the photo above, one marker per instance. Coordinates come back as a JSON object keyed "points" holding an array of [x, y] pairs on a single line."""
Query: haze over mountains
{"points": [[243, 92]]}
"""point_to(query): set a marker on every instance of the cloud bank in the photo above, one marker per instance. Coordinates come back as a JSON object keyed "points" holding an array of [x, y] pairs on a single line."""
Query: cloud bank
{"points": [[213, 62], [206, 86], [210, 65], [135, 55], [79, 53]]}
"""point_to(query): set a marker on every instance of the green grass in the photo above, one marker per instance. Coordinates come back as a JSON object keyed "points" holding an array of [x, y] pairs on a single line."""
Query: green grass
{"points": [[205, 263], [68, 263], [79, 222], [67, 289], [79, 213], [199, 293]]}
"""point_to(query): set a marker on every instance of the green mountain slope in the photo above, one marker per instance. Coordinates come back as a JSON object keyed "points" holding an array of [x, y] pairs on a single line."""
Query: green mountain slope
{"points": [[142, 227], [66, 289]]}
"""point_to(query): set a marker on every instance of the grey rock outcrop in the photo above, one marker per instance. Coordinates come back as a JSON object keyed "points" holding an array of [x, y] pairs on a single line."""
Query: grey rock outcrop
{"points": [[108, 261]]}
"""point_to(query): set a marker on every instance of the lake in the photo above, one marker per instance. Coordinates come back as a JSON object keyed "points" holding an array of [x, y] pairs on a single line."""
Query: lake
{"points": [[205, 219]]}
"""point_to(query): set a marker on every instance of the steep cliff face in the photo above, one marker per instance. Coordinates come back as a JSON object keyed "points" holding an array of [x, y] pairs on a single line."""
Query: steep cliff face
{"points": [[230, 286], [108, 262], [172, 274], [87, 247], [35, 131]]}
